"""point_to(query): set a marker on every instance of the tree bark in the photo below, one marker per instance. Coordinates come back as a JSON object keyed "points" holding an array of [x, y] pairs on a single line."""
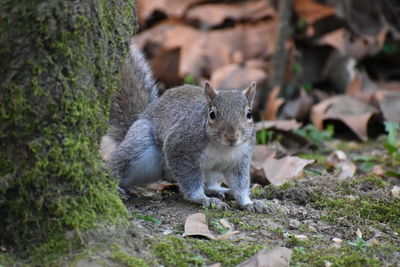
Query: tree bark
{"points": [[59, 67], [282, 36]]}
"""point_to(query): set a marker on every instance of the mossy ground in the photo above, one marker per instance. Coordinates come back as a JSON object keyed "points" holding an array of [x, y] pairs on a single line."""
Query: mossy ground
{"points": [[320, 207], [125, 258], [330, 213], [178, 251]]}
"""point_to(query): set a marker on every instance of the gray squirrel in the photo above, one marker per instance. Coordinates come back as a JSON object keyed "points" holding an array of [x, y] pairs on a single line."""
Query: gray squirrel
{"points": [[199, 137]]}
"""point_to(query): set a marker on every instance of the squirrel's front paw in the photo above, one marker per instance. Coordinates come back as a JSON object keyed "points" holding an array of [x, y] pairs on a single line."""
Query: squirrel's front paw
{"points": [[215, 202], [256, 206]]}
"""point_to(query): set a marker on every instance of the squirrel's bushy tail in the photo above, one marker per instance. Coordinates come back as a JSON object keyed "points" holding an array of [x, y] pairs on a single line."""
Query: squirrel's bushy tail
{"points": [[137, 90]]}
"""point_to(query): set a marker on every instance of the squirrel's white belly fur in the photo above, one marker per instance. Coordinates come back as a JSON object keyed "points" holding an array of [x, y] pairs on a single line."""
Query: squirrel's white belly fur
{"points": [[219, 158]]}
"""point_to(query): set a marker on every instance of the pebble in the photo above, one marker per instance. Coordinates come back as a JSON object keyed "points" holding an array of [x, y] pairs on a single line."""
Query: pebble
{"points": [[396, 191], [294, 224]]}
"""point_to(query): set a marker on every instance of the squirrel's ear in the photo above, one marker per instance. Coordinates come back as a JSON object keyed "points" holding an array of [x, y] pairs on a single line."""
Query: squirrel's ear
{"points": [[209, 91], [250, 92]]}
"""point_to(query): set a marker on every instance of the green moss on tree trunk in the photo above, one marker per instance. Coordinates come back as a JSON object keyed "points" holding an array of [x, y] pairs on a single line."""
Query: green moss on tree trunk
{"points": [[59, 67]]}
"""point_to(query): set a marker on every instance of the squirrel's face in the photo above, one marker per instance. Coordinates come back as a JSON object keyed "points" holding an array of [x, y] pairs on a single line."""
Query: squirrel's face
{"points": [[230, 120]]}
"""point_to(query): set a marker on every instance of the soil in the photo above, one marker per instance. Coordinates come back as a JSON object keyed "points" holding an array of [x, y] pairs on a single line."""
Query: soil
{"points": [[323, 220], [294, 211]]}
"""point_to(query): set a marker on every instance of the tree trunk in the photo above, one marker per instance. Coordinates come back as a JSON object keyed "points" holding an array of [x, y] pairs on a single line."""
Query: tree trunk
{"points": [[59, 67]]}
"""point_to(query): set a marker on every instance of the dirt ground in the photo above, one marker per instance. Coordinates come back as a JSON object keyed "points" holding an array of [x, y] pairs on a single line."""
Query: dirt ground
{"points": [[317, 217], [325, 221]]}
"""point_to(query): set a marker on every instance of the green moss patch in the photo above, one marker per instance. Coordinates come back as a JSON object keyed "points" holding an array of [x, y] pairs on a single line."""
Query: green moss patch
{"points": [[367, 198], [240, 219], [358, 210], [6, 259], [176, 251], [47, 253], [126, 259], [338, 257]]}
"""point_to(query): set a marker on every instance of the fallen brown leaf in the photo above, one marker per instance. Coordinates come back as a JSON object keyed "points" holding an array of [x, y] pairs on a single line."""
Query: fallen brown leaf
{"points": [[312, 11], [235, 76], [171, 8], [261, 153], [279, 171], [356, 47], [214, 14], [339, 160], [165, 67], [196, 225], [274, 102], [283, 125], [257, 64], [169, 34], [334, 39], [238, 75], [217, 48], [266, 169], [276, 257], [351, 111], [212, 49]]}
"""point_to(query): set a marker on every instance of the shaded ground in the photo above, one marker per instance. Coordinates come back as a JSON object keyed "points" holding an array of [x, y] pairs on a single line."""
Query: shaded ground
{"points": [[319, 207], [318, 217]]}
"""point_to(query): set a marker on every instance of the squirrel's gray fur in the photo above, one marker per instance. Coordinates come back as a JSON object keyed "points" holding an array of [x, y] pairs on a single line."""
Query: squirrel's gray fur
{"points": [[176, 135], [137, 90]]}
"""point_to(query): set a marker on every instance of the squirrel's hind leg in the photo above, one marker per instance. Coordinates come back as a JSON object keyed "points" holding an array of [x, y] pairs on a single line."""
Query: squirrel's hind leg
{"points": [[137, 160]]}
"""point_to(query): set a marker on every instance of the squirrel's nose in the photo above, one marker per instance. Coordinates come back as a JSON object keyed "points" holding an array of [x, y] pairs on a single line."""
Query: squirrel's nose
{"points": [[231, 138]]}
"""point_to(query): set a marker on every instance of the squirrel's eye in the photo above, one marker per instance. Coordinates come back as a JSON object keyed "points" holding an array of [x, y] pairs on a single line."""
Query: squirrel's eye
{"points": [[212, 114], [248, 114]]}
